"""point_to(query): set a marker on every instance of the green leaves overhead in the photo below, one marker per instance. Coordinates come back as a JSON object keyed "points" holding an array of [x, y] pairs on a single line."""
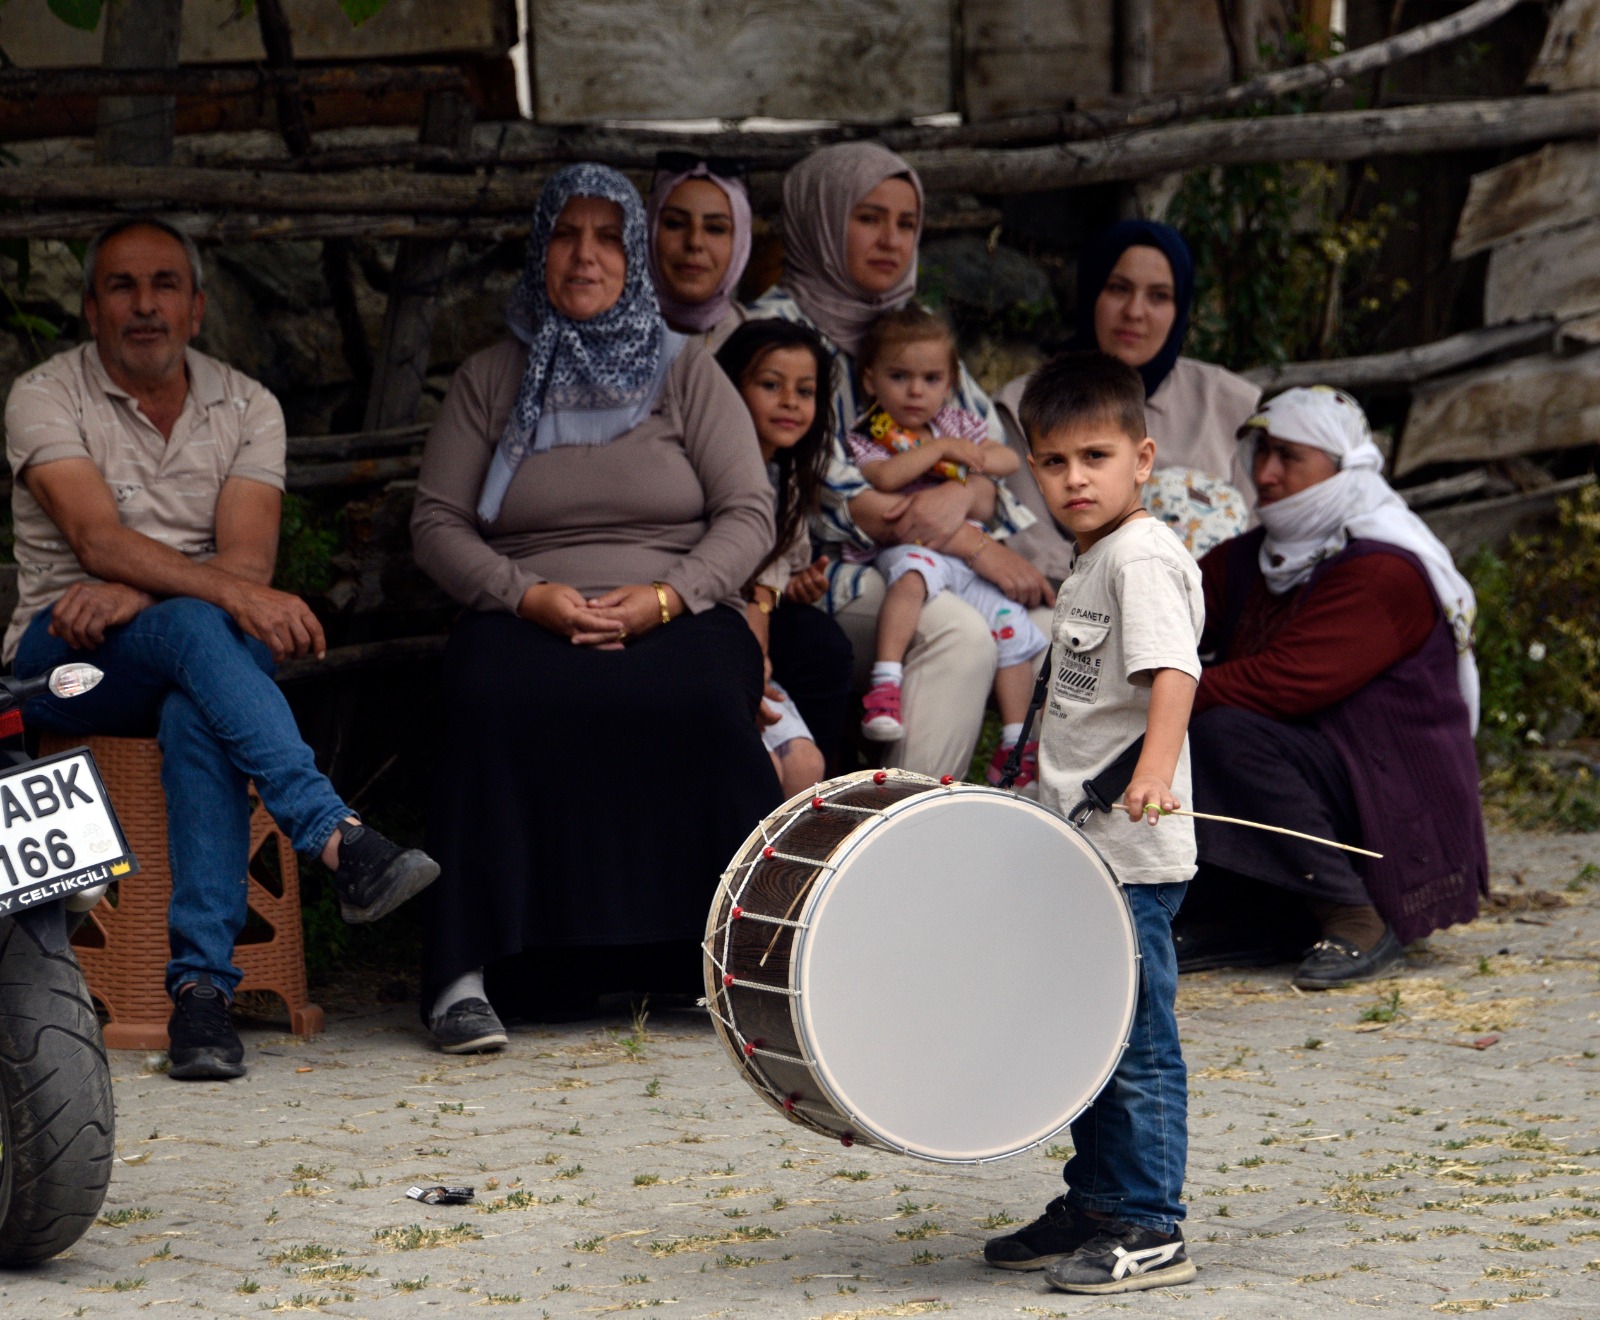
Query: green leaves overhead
{"points": [[83, 14], [359, 11]]}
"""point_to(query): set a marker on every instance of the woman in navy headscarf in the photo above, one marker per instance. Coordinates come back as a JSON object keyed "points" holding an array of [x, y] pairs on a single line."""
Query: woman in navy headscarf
{"points": [[1135, 289]]}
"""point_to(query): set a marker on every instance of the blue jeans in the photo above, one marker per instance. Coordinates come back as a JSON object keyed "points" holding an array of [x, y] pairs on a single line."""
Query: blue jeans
{"points": [[1131, 1146], [183, 670]]}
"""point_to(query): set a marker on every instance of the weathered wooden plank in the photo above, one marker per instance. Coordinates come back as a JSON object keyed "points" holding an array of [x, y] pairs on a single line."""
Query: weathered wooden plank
{"points": [[1018, 58], [1526, 406], [34, 38], [871, 61], [1551, 274], [1579, 334], [1465, 528], [1570, 58], [1404, 366], [1555, 186]]}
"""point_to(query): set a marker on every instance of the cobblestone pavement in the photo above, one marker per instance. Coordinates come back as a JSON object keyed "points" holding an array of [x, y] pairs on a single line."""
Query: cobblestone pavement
{"points": [[1352, 1152]]}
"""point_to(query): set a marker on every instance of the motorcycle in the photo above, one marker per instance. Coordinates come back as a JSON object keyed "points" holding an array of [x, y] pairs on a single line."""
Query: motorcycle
{"points": [[60, 847]]}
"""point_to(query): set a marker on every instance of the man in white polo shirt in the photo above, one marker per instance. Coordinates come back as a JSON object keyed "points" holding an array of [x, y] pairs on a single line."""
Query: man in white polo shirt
{"points": [[149, 483]]}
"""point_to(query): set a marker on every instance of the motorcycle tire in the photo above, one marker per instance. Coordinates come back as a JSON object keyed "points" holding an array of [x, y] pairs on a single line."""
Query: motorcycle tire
{"points": [[57, 1139]]}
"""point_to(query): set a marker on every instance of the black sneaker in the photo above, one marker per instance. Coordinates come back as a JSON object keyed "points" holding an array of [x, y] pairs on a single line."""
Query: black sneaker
{"points": [[202, 1044], [468, 1026], [374, 876], [1059, 1231], [1122, 1258], [1334, 961]]}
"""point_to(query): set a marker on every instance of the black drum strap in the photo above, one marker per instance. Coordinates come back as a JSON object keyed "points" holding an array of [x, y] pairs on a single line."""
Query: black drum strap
{"points": [[1008, 772]]}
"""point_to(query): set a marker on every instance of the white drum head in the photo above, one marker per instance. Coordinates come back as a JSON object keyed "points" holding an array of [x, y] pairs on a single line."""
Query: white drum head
{"points": [[968, 979]]}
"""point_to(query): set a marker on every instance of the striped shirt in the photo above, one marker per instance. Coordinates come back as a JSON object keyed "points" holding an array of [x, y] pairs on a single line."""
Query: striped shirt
{"points": [[833, 528]]}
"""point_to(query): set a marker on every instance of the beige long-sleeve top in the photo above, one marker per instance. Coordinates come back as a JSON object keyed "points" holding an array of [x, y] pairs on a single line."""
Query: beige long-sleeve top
{"points": [[1194, 417], [682, 498]]}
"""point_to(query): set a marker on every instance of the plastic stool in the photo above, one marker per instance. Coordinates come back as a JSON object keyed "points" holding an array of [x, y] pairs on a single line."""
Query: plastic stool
{"points": [[122, 946]]}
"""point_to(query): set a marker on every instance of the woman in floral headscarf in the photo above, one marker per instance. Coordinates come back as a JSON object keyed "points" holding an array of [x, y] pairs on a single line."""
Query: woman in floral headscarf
{"points": [[593, 493], [1340, 698]]}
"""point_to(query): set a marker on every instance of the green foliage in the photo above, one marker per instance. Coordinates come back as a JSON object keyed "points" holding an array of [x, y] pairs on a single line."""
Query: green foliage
{"points": [[359, 11], [37, 330], [306, 542], [81, 14], [1282, 272], [1285, 255], [1538, 638], [1538, 650]]}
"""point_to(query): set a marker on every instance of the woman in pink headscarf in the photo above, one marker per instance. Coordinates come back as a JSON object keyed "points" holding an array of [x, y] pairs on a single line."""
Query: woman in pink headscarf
{"points": [[699, 227], [852, 220]]}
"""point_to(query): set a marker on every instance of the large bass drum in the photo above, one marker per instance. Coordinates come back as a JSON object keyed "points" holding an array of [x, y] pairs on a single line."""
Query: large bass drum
{"points": [[944, 970]]}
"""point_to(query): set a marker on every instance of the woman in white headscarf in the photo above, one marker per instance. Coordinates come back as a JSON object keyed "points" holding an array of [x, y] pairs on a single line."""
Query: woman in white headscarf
{"points": [[1340, 698], [592, 493]]}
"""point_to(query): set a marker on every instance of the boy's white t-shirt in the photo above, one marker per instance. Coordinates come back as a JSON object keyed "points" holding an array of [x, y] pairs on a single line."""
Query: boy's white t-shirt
{"points": [[1132, 604]]}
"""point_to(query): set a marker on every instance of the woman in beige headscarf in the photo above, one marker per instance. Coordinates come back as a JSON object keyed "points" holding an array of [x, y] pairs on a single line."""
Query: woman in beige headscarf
{"points": [[852, 218]]}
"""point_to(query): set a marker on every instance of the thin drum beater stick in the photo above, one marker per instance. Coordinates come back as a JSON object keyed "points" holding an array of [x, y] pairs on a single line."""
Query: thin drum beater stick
{"points": [[1257, 825]]}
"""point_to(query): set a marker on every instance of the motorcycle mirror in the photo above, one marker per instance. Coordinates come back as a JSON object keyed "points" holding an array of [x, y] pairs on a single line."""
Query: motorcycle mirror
{"points": [[73, 680]]}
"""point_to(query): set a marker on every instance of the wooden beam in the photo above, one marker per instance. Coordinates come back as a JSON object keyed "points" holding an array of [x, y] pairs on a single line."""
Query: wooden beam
{"points": [[1467, 527], [359, 444], [138, 130], [400, 366], [364, 655], [196, 80], [1338, 135], [1406, 366], [245, 227]]}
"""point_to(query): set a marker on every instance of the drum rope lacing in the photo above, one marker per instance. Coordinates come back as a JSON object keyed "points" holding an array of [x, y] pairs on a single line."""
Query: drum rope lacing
{"points": [[737, 879]]}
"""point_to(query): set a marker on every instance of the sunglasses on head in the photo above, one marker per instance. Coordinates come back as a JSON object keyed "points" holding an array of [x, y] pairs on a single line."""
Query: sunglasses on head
{"points": [[682, 162]]}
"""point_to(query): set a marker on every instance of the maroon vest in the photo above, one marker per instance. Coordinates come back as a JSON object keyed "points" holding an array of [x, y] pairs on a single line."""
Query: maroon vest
{"points": [[1406, 743]]}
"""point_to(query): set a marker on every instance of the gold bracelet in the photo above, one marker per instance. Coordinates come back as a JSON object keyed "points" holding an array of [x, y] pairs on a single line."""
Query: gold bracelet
{"points": [[972, 559], [661, 596]]}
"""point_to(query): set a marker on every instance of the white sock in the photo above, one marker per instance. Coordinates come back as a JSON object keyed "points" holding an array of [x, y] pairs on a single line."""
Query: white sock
{"points": [[886, 671], [469, 985], [1009, 733]]}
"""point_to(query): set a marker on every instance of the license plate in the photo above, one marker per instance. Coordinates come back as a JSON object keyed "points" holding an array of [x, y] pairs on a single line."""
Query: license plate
{"points": [[58, 833]]}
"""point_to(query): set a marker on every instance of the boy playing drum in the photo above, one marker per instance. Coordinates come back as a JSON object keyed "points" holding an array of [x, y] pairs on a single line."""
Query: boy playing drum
{"points": [[1125, 663]]}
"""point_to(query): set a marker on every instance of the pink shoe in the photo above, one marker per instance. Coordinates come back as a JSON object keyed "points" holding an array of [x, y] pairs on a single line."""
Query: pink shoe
{"points": [[1027, 771], [880, 714]]}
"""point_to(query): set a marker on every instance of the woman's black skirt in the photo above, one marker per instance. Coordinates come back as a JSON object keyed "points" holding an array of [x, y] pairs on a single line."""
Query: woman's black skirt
{"points": [[589, 798]]}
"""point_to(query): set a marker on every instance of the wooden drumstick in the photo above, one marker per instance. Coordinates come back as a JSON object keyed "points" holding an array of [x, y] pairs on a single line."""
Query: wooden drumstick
{"points": [[1258, 825]]}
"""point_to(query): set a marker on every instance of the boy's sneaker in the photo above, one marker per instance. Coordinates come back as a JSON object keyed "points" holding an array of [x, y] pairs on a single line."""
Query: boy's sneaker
{"points": [[880, 713], [1123, 1258], [468, 1026], [1027, 768], [1058, 1232], [374, 876], [202, 1044]]}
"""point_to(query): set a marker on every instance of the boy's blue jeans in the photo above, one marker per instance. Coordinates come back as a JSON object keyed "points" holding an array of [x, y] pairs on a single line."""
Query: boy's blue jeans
{"points": [[183, 670], [1131, 1146]]}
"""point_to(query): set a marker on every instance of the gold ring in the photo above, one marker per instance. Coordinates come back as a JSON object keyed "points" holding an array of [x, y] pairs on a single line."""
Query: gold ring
{"points": [[622, 633]]}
